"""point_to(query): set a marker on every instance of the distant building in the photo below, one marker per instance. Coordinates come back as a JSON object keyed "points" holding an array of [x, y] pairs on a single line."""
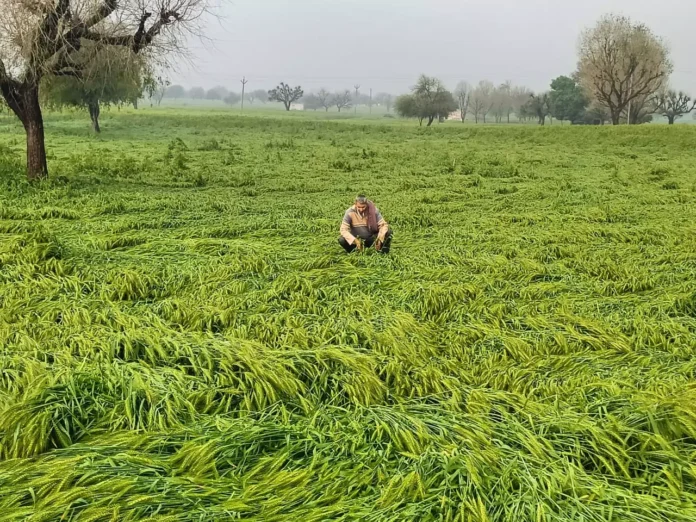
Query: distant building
{"points": [[297, 106], [455, 116]]}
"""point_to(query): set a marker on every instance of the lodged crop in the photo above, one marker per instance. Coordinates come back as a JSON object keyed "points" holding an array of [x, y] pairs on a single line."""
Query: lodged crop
{"points": [[182, 338]]}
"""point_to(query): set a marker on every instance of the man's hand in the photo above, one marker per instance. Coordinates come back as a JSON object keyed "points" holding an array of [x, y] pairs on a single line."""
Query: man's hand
{"points": [[359, 244], [378, 245]]}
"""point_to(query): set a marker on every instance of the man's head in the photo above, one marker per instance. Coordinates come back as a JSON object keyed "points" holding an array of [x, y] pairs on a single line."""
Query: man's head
{"points": [[361, 203]]}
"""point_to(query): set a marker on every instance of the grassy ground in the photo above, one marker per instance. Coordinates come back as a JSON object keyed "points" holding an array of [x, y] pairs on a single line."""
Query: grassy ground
{"points": [[181, 337]]}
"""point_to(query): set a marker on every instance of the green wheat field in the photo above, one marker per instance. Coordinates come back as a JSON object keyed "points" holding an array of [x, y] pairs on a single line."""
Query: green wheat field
{"points": [[182, 338]]}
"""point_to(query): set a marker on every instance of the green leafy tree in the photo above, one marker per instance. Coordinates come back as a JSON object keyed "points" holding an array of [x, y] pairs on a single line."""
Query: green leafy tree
{"points": [[567, 99], [217, 93], [232, 98], [258, 95], [406, 107], [428, 100], [175, 92], [285, 94], [108, 76], [311, 102], [197, 93], [40, 39]]}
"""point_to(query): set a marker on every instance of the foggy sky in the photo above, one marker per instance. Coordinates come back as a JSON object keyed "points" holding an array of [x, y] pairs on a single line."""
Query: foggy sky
{"points": [[386, 44]]}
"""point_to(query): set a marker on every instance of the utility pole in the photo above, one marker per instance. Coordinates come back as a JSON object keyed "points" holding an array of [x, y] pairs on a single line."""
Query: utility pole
{"points": [[244, 81], [370, 100], [357, 90]]}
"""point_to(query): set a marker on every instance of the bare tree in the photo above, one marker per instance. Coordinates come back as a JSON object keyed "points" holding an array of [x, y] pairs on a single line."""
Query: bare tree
{"points": [[620, 61], [325, 99], [540, 106], [640, 110], [285, 94], [41, 38], [480, 101], [157, 89], [518, 98], [311, 102], [505, 93], [342, 99], [673, 105], [462, 93], [501, 102]]}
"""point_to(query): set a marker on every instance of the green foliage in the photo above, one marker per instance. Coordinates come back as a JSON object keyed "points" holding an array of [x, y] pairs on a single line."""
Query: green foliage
{"points": [[428, 100], [182, 338], [567, 99], [232, 98], [109, 75]]}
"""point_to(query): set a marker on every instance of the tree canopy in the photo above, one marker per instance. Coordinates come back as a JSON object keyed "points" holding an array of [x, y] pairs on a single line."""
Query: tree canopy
{"points": [[197, 93], [39, 39], [111, 75], [620, 61], [285, 94], [232, 98], [673, 105], [175, 92], [567, 99], [342, 99], [428, 100]]}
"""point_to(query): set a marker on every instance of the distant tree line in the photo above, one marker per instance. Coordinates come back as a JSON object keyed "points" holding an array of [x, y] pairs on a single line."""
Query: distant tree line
{"points": [[622, 77], [344, 99], [218, 93]]}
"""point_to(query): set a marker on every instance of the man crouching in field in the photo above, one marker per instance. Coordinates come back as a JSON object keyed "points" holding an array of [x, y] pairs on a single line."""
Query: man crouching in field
{"points": [[364, 226]]}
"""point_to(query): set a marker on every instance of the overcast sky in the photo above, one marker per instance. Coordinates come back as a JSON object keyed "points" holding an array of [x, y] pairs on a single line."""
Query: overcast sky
{"points": [[386, 44]]}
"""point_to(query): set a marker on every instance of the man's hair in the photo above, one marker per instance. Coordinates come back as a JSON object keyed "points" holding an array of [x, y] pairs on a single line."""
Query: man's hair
{"points": [[361, 198]]}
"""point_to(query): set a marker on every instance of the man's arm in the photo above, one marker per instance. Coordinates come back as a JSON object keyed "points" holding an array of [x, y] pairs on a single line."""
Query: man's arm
{"points": [[383, 226], [345, 228]]}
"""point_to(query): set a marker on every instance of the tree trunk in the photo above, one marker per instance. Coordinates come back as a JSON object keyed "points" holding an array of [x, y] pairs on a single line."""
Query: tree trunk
{"points": [[670, 119], [430, 120], [23, 99], [615, 117], [94, 111], [287, 105], [36, 145]]}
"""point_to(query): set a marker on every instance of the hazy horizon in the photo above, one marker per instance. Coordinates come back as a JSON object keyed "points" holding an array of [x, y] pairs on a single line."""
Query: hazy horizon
{"points": [[385, 46]]}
